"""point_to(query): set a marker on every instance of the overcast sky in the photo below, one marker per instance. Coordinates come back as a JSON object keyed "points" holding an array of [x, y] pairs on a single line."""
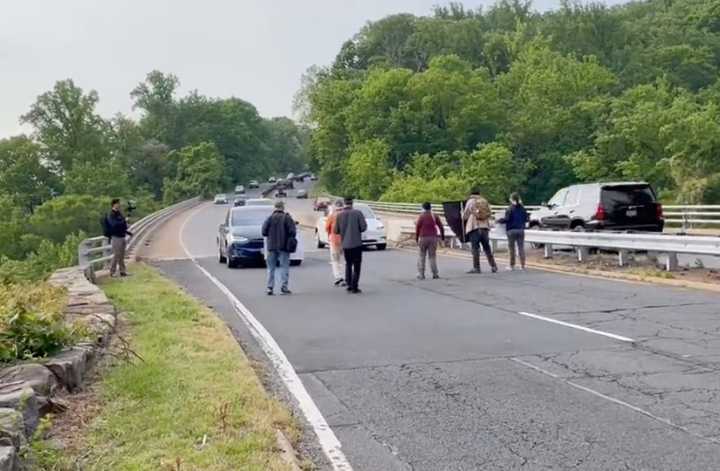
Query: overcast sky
{"points": [[253, 49]]}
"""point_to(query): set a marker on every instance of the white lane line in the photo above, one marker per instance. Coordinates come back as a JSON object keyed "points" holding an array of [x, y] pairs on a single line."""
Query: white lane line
{"points": [[578, 327], [326, 437], [637, 409]]}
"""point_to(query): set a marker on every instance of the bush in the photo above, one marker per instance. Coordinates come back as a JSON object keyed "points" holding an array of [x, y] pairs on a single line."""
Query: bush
{"points": [[31, 321], [68, 214], [47, 258], [412, 189]]}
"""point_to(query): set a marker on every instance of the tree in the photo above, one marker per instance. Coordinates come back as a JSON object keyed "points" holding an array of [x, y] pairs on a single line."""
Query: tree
{"points": [[66, 124], [68, 214], [24, 174], [12, 228], [368, 169], [199, 172]]}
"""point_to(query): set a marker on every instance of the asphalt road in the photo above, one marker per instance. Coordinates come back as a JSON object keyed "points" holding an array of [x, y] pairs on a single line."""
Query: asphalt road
{"points": [[470, 371]]}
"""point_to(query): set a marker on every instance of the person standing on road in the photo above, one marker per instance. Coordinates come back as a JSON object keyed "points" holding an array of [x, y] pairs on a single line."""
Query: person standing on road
{"points": [[335, 242], [279, 229], [116, 230], [427, 228], [515, 220], [477, 216], [350, 225]]}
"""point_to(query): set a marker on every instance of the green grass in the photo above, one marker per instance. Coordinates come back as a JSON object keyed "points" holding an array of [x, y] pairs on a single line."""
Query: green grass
{"points": [[195, 385]]}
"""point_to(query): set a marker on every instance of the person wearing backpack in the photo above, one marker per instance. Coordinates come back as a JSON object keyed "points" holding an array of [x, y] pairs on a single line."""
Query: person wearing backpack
{"points": [[477, 216], [279, 228], [115, 228], [515, 220], [427, 228]]}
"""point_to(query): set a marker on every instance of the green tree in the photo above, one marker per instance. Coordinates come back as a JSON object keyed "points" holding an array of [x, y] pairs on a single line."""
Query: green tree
{"points": [[199, 172], [368, 169], [24, 174], [68, 214]]}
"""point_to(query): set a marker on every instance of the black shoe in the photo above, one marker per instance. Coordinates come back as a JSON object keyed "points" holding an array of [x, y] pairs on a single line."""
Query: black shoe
{"points": [[474, 271], [420, 277], [357, 291], [339, 282], [124, 274], [285, 290], [270, 292], [494, 269], [436, 277]]}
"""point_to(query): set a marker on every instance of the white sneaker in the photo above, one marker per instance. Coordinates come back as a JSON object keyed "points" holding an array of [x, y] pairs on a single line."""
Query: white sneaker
{"points": [[510, 268]]}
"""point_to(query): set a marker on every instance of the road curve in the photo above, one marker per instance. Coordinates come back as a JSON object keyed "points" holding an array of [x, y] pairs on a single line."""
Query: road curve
{"points": [[512, 370]]}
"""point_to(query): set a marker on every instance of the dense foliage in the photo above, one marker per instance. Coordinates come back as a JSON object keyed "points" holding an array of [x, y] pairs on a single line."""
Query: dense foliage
{"points": [[511, 99]]}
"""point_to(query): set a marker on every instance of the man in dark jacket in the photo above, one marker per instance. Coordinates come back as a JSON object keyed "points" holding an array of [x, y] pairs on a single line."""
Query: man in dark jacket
{"points": [[279, 229], [116, 230], [350, 225]]}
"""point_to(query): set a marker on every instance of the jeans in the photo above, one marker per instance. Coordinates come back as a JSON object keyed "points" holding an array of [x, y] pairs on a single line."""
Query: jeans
{"points": [[481, 237], [516, 237], [353, 262], [275, 257], [427, 249], [336, 254], [118, 252]]}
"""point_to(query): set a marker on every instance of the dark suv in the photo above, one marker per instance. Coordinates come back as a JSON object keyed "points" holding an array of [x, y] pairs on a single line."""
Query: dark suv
{"points": [[623, 206]]}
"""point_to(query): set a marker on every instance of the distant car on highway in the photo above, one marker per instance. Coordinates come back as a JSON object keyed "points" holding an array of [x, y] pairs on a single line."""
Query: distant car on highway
{"points": [[258, 202], [619, 206], [272, 180], [302, 194], [321, 204], [240, 240], [253, 184], [281, 193], [375, 235], [240, 190], [239, 202], [220, 199]]}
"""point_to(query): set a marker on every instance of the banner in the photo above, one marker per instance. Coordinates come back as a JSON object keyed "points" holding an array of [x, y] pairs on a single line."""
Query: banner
{"points": [[453, 215]]}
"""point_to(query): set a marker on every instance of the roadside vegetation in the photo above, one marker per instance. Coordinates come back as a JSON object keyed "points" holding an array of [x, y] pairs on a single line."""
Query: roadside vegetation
{"points": [[189, 399], [509, 99]]}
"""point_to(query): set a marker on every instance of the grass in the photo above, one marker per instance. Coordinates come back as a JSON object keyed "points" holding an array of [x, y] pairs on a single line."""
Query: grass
{"points": [[193, 403]]}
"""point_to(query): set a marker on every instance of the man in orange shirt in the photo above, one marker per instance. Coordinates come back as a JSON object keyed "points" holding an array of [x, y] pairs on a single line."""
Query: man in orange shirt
{"points": [[335, 241]]}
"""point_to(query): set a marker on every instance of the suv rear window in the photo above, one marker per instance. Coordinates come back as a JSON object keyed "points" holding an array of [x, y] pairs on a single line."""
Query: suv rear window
{"points": [[627, 195]]}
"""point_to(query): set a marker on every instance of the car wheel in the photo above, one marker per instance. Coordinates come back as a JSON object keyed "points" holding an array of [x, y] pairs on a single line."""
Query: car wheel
{"points": [[221, 257], [231, 263], [381, 246], [295, 263]]}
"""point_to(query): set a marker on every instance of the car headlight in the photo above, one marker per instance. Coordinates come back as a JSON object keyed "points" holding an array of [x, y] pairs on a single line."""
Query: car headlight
{"points": [[238, 239]]}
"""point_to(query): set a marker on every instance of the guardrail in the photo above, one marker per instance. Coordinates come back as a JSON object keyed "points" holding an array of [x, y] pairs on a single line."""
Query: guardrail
{"points": [[415, 208], [95, 252]]}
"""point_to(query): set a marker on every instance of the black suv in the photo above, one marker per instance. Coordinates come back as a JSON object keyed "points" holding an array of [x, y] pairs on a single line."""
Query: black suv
{"points": [[622, 206]]}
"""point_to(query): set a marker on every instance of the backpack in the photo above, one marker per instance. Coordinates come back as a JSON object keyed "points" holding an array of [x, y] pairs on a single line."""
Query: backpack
{"points": [[482, 210]]}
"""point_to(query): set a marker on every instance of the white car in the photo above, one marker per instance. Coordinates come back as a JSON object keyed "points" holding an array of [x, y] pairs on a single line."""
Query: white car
{"points": [[374, 235], [220, 199]]}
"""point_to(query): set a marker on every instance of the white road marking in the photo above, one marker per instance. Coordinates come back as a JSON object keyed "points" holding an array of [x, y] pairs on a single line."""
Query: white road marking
{"points": [[328, 441], [578, 327], [637, 409]]}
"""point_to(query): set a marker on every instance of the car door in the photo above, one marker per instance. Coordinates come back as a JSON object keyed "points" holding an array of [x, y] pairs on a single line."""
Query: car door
{"points": [[565, 214], [550, 217]]}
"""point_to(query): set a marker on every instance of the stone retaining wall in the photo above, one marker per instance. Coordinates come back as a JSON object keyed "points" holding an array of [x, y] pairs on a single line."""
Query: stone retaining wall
{"points": [[27, 390]]}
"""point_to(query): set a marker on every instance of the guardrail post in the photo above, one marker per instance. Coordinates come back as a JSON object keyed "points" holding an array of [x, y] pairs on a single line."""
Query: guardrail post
{"points": [[548, 251], [672, 262], [494, 245], [582, 254], [622, 257]]}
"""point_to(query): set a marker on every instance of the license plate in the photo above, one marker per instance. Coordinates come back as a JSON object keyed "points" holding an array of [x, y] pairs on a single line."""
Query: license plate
{"points": [[631, 213]]}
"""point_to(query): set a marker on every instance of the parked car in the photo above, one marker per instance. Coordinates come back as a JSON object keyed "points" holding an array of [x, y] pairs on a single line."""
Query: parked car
{"points": [[619, 206], [375, 235], [240, 190], [272, 180], [239, 202], [302, 194], [253, 184], [321, 204], [220, 199], [281, 193], [240, 240], [290, 177], [258, 202]]}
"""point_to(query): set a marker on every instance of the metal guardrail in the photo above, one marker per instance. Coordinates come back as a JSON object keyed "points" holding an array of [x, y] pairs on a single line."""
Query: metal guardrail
{"points": [[95, 252], [415, 208]]}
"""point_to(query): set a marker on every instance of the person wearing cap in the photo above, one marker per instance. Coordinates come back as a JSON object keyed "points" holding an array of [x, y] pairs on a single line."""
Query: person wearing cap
{"points": [[427, 228], [350, 225], [478, 217], [335, 241], [279, 229]]}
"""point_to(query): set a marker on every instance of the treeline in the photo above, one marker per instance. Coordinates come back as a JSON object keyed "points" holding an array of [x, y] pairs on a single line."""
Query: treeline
{"points": [[422, 108], [57, 182]]}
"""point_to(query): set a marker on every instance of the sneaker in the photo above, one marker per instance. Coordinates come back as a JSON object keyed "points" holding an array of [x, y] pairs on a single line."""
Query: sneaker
{"points": [[357, 291], [269, 292], [494, 269], [436, 277], [339, 282], [124, 274], [510, 268], [474, 271], [285, 290], [420, 277]]}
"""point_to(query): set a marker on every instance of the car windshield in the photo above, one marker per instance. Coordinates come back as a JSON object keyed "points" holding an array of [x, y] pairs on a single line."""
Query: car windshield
{"points": [[367, 212], [250, 217]]}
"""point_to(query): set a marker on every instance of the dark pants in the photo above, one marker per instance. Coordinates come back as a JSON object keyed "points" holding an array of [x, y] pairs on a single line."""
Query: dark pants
{"points": [[516, 238], [481, 237], [353, 262]]}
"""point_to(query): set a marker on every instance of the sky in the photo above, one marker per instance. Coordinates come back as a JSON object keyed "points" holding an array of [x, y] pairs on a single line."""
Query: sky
{"points": [[256, 50]]}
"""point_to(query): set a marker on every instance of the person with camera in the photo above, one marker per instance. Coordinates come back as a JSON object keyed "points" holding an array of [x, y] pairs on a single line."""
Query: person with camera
{"points": [[279, 229], [115, 228]]}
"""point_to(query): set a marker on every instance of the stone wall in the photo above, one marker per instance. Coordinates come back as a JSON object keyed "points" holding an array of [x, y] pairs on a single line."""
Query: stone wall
{"points": [[28, 389]]}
